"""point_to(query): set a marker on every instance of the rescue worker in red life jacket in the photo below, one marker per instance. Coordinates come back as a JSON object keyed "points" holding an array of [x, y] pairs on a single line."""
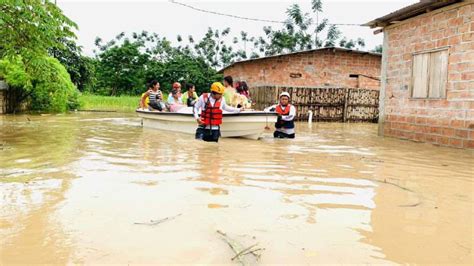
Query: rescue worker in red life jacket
{"points": [[285, 125], [211, 105]]}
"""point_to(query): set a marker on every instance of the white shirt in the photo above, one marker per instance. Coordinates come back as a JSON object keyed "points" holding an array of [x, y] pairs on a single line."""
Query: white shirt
{"points": [[288, 117], [171, 100], [200, 104]]}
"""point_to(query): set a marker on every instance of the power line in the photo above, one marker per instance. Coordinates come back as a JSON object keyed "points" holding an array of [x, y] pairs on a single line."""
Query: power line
{"points": [[222, 14], [247, 18]]}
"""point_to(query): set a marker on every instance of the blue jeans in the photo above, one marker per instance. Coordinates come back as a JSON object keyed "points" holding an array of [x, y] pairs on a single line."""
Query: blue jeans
{"points": [[209, 135]]}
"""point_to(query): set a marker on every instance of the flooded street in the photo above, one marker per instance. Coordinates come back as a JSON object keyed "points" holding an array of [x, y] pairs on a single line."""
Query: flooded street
{"points": [[83, 188]]}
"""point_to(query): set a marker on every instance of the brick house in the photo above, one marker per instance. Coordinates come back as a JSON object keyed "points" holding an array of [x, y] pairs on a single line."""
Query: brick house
{"points": [[323, 67], [427, 84]]}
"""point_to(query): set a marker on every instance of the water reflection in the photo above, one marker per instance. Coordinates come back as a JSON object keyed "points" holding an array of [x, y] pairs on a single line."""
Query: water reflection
{"points": [[336, 194]]}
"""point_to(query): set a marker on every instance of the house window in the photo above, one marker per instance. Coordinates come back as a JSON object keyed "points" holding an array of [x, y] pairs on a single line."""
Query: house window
{"points": [[430, 73]]}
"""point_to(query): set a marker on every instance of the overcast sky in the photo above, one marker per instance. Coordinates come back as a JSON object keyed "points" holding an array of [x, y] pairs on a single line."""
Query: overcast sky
{"points": [[108, 18]]}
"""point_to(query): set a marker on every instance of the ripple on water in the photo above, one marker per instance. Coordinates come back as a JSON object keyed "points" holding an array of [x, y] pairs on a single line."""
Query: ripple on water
{"points": [[335, 194]]}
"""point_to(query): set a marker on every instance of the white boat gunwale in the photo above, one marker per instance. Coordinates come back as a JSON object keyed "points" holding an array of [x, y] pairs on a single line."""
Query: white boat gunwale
{"points": [[245, 113], [247, 124]]}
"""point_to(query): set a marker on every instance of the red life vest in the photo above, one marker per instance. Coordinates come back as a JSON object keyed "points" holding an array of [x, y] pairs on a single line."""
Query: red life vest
{"points": [[280, 110], [211, 115], [282, 123]]}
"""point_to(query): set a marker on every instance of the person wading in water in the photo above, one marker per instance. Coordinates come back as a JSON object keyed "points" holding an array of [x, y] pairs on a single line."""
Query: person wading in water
{"points": [[211, 105], [285, 125]]}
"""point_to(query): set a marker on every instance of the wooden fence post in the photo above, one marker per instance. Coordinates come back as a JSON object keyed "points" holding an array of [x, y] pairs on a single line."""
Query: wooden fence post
{"points": [[344, 111]]}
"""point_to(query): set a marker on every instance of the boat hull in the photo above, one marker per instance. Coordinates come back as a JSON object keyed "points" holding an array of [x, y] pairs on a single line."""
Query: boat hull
{"points": [[247, 124]]}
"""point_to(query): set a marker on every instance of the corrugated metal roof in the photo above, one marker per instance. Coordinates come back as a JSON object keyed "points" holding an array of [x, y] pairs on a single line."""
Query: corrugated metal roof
{"points": [[410, 11], [301, 52]]}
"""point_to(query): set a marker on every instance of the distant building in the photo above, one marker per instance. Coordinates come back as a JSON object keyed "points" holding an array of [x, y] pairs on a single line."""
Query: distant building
{"points": [[427, 89], [323, 67]]}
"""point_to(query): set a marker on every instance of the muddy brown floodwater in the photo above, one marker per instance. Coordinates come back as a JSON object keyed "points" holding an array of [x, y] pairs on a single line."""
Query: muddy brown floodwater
{"points": [[98, 188]]}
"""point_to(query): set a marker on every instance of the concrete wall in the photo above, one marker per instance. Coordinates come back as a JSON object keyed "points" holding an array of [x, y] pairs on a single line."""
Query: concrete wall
{"points": [[323, 68], [446, 122], [3, 92]]}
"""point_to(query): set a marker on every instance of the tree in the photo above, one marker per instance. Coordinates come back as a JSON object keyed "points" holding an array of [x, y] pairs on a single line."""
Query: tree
{"points": [[121, 68], [378, 49], [29, 28], [125, 65], [80, 68], [213, 50], [32, 27], [45, 82], [300, 32]]}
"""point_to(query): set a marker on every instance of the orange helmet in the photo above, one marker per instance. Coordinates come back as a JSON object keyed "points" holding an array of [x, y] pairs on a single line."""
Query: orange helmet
{"points": [[176, 85], [217, 87]]}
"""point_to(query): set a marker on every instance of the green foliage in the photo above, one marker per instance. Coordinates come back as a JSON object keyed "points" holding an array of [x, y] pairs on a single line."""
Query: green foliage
{"points": [[378, 49], [212, 48], [317, 5], [124, 65], [13, 71], [186, 68], [54, 90], [109, 103], [333, 34], [300, 32], [30, 28], [80, 68], [45, 83]]}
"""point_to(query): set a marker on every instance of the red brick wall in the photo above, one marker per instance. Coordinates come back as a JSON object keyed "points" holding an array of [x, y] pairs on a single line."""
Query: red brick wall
{"points": [[447, 122], [317, 69]]}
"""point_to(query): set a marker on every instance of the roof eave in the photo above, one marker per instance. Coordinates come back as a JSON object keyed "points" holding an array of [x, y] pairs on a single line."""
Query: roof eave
{"points": [[410, 11], [306, 51]]}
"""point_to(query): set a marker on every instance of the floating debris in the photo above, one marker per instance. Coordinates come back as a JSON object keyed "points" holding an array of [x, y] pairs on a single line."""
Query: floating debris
{"points": [[240, 251], [156, 222]]}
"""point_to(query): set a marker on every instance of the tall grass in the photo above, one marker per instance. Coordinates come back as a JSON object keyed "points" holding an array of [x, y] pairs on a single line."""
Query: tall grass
{"points": [[91, 102]]}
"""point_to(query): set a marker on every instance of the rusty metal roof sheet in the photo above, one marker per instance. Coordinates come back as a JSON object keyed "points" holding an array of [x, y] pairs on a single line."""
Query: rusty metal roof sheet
{"points": [[410, 11]]}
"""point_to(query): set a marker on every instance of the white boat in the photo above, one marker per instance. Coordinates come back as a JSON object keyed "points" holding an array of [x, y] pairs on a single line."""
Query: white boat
{"points": [[246, 124]]}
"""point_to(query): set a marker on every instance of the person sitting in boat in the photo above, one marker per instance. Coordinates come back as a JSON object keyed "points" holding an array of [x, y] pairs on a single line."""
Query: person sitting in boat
{"points": [[211, 105], [285, 126], [239, 100], [190, 97], [242, 88], [230, 91], [175, 95], [154, 96]]}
